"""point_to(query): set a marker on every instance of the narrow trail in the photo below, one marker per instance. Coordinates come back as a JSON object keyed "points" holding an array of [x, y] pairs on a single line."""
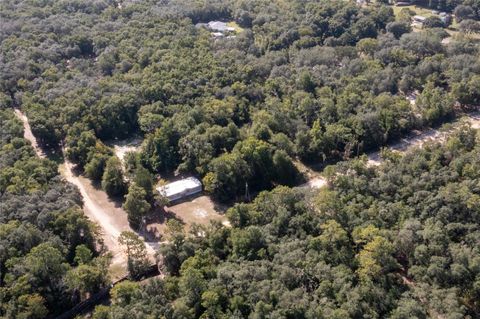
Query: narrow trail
{"points": [[98, 207], [27, 133], [417, 139]]}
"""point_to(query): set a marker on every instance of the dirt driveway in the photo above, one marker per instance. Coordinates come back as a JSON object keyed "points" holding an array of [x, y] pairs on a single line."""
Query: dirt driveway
{"points": [[101, 210], [416, 139]]}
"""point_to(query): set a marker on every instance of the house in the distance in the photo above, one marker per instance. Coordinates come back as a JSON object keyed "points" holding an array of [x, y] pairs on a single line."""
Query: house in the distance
{"points": [[219, 26], [180, 189], [219, 29]]}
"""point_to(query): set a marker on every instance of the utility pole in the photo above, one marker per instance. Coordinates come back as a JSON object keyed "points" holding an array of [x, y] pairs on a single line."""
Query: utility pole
{"points": [[247, 193]]}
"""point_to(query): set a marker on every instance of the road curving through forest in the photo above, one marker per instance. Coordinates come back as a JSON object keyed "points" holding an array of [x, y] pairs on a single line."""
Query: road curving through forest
{"points": [[107, 214], [417, 139]]}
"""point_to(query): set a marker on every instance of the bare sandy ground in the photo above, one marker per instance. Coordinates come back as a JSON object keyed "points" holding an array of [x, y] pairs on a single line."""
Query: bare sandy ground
{"points": [[122, 147], [316, 182], [200, 210], [416, 139], [99, 209], [27, 133], [106, 213]]}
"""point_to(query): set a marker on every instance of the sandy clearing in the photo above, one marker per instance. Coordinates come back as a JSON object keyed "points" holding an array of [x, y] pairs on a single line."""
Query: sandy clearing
{"points": [[316, 182], [109, 215], [200, 210], [122, 147]]}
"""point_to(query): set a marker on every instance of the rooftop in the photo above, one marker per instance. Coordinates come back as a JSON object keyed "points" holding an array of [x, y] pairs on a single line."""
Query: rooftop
{"points": [[419, 18], [219, 26], [180, 186]]}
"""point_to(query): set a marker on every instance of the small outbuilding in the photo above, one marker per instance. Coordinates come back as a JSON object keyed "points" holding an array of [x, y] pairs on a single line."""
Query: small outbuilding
{"points": [[419, 19], [180, 189]]}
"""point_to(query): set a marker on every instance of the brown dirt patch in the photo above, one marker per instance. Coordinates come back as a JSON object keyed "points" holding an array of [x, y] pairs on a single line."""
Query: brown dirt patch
{"points": [[200, 210]]}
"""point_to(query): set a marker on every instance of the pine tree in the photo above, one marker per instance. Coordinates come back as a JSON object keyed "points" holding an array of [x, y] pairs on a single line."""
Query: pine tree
{"points": [[136, 205]]}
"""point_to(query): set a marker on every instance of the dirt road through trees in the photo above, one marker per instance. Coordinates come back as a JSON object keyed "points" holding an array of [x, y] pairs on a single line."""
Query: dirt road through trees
{"points": [[107, 214]]}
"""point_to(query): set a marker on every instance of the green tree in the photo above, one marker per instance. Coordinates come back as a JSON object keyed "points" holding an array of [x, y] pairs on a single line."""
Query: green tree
{"points": [[399, 28], [136, 205], [173, 253], [79, 146], [248, 243], [124, 292], [136, 253], [433, 22], [112, 179], [83, 255], [95, 167], [160, 151], [89, 278], [144, 179], [434, 103], [285, 171], [227, 177], [45, 265], [31, 306]]}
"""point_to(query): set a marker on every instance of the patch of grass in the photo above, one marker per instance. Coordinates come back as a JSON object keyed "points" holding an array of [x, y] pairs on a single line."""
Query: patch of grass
{"points": [[418, 10], [233, 24]]}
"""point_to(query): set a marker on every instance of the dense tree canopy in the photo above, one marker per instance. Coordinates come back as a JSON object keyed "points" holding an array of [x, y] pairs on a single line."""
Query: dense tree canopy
{"points": [[318, 80], [398, 241], [48, 257], [301, 80]]}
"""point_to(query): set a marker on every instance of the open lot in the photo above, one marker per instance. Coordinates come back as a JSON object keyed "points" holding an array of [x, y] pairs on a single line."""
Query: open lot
{"points": [[122, 147], [200, 210], [418, 10]]}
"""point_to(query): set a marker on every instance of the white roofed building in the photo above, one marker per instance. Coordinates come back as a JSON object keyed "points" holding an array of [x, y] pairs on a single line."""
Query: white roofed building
{"points": [[219, 26], [180, 189]]}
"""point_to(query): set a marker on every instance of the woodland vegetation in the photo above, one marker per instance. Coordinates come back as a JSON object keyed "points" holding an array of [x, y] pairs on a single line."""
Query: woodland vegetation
{"points": [[318, 81], [301, 80], [48, 248], [398, 241]]}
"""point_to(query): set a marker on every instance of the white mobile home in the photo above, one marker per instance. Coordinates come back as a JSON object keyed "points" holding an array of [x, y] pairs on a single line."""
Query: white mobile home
{"points": [[180, 189]]}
